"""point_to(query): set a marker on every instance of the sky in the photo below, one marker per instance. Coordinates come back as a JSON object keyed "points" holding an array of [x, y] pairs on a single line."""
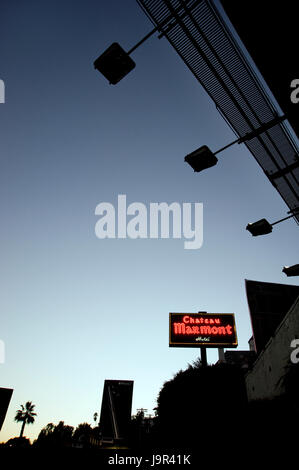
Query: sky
{"points": [[75, 309]]}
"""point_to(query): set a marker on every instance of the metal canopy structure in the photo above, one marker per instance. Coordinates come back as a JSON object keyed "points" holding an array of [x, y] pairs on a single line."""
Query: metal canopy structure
{"points": [[270, 44], [202, 39]]}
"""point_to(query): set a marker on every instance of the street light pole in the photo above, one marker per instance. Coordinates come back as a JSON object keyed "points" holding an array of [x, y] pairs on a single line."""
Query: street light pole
{"points": [[204, 158], [262, 227], [281, 220]]}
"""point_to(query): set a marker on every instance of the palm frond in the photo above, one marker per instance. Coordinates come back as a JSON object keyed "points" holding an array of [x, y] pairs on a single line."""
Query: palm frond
{"points": [[26, 413]]}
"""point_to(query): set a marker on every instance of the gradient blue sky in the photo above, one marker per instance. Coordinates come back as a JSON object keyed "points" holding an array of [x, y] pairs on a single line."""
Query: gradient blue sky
{"points": [[76, 310]]}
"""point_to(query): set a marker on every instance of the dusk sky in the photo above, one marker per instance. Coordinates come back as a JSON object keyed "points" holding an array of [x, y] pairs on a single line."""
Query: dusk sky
{"points": [[75, 309]]}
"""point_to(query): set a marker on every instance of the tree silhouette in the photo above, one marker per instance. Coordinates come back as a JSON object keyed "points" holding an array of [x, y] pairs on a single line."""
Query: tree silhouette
{"points": [[82, 435], [17, 442], [59, 435], [25, 415]]}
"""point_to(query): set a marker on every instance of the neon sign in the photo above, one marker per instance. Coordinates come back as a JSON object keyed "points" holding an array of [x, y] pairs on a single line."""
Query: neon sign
{"points": [[210, 330]]}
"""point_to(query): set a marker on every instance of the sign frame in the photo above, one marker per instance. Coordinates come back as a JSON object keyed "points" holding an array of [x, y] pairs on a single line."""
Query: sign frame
{"points": [[116, 409], [203, 344]]}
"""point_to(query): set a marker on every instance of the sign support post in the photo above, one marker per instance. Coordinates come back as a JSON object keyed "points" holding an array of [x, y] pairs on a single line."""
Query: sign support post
{"points": [[203, 357], [203, 353]]}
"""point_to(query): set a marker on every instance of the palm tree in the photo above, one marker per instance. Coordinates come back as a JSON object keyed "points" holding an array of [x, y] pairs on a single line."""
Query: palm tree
{"points": [[25, 415]]}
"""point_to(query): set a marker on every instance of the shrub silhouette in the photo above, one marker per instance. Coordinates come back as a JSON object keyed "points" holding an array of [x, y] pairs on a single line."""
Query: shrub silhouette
{"points": [[198, 401]]}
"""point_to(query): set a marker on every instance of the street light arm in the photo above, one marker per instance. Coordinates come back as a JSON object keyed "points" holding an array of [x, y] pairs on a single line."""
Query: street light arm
{"points": [[285, 218], [162, 24], [147, 36], [262, 227], [255, 133], [237, 141]]}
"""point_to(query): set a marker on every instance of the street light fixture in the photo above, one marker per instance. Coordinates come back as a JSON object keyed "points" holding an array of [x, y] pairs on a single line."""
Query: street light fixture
{"points": [[263, 227], [204, 158], [291, 270], [115, 63], [201, 159]]}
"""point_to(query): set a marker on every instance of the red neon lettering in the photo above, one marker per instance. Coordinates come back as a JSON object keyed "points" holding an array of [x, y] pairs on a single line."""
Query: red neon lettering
{"points": [[183, 329], [206, 321], [179, 328], [186, 319], [205, 330]]}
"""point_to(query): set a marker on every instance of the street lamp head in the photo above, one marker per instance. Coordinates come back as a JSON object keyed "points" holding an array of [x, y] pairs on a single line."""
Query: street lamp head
{"points": [[114, 63], [291, 270], [261, 227], [201, 159]]}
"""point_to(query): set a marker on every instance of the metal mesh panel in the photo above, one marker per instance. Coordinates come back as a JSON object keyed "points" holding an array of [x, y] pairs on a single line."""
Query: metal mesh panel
{"points": [[201, 38]]}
